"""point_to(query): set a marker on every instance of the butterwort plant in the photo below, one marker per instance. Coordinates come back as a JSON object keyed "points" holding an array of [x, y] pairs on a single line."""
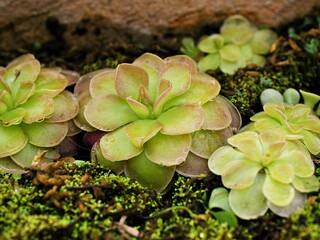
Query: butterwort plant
{"points": [[264, 171], [156, 116], [35, 112], [238, 44]]}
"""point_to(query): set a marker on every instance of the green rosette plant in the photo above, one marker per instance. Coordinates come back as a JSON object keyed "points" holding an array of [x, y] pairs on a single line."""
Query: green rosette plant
{"points": [[159, 116], [35, 112], [296, 121], [238, 44], [264, 170]]}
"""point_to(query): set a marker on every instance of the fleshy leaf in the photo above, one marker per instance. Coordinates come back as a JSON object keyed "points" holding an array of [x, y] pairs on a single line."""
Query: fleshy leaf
{"points": [[108, 112], [97, 157], [211, 44], [221, 157], [302, 163], [179, 75], [9, 166], [298, 201], [181, 120], [50, 82], [262, 41], [219, 199], [66, 107], [246, 142], [281, 171], [153, 65], [205, 142], [203, 88], [312, 123], [229, 67], [249, 203], [141, 131], [22, 94], [176, 149], [165, 88], [309, 184], [129, 79], [216, 115], [143, 170], [12, 117], [230, 53], [236, 122], [22, 69], [117, 146], [209, 62], [278, 193], [103, 83], [194, 166], [24, 157], [276, 110], [12, 140], [311, 141], [38, 107], [192, 65], [139, 108], [44, 134], [240, 174], [80, 120]]}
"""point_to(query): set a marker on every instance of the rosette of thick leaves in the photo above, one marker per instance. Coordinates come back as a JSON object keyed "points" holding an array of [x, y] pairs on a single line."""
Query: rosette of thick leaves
{"points": [[35, 110], [239, 43], [156, 113], [264, 171], [297, 122]]}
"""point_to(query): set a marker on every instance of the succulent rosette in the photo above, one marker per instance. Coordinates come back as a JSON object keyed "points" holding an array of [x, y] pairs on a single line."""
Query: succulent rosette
{"points": [[264, 170], [296, 121], [35, 112], [156, 114], [239, 43]]}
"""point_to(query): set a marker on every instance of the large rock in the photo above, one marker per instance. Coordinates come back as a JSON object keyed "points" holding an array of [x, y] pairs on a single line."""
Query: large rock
{"points": [[145, 24]]}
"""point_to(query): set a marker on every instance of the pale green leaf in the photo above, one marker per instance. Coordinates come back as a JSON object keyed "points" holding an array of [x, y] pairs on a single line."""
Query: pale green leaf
{"points": [[221, 157], [38, 107], [103, 83], [192, 65], [141, 131], [50, 82], [308, 184], [219, 199], [311, 141], [205, 142], [149, 174], [168, 150], [216, 115], [117, 146], [209, 62], [211, 44], [12, 140], [21, 94], [249, 144], [12, 117], [44, 134], [181, 120], [240, 174], [9, 166], [278, 193], [230, 53], [281, 171], [249, 203], [108, 112], [66, 107], [179, 75], [129, 79], [138, 108]]}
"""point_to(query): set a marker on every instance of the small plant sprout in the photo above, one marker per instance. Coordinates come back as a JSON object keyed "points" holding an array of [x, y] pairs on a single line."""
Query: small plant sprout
{"points": [[35, 112], [156, 116], [264, 171], [238, 44]]}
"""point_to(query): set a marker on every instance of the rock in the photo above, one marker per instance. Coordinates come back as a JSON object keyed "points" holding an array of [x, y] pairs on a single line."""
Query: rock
{"points": [[143, 24]]}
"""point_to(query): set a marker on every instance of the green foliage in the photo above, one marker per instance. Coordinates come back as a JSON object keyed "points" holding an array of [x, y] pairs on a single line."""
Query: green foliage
{"points": [[157, 114], [264, 171], [35, 110], [239, 43]]}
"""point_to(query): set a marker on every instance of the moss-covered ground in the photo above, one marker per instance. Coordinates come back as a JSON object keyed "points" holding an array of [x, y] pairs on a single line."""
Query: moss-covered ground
{"points": [[81, 201]]}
